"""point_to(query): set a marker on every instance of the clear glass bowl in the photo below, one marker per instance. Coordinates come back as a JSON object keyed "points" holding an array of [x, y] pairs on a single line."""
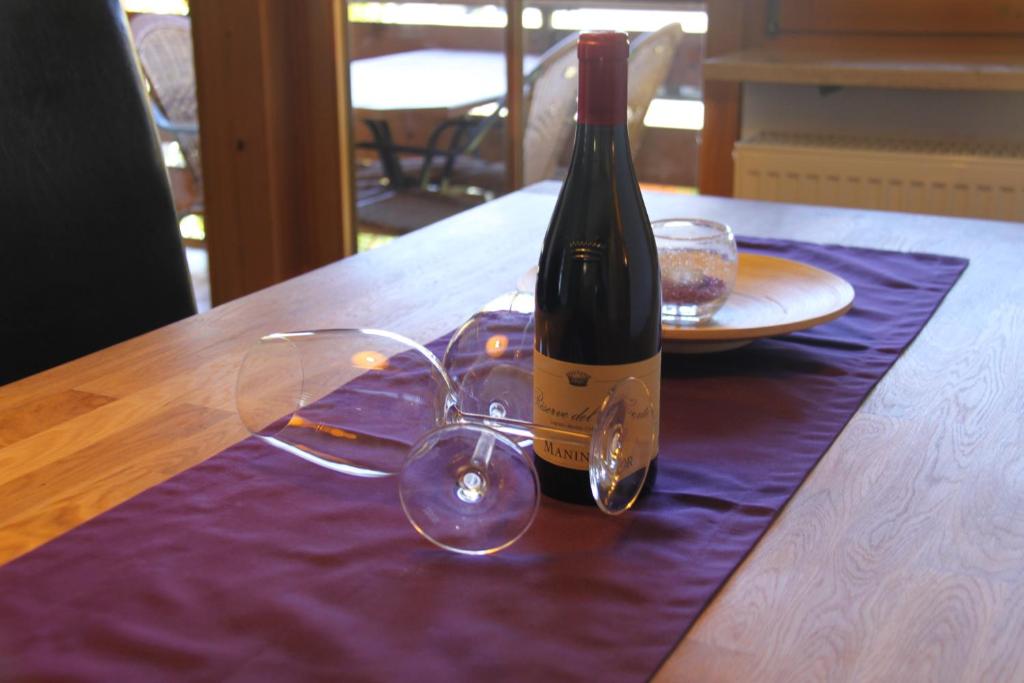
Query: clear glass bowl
{"points": [[698, 264]]}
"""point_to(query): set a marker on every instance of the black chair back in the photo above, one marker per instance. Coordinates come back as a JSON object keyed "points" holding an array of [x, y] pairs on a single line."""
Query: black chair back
{"points": [[90, 253]]}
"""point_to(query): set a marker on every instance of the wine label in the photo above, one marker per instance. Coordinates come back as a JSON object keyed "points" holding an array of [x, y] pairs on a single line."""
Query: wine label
{"points": [[569, 395]]}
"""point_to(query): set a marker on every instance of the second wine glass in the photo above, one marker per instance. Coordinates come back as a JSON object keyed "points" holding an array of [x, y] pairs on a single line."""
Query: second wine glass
{"points": [[489, 362]]}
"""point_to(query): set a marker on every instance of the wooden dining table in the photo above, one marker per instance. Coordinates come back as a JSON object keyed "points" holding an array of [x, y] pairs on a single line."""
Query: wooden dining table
{"points": [[901, 557]]}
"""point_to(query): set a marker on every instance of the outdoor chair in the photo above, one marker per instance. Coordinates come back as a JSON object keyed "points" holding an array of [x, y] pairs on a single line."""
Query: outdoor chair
{"points": [[650, 60], [550, 101], [551, 104], [91, 251], [551, 97], [164, 46]]}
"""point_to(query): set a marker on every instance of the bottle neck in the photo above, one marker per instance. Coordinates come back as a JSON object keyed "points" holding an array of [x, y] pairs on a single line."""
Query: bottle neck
{"points": [[602, 92], [596, 141], [601, 155]]}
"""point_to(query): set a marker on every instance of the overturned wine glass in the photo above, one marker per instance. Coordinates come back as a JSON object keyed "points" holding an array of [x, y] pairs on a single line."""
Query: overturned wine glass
{"points": [[372, 403], [489, 361], [351, 400]]}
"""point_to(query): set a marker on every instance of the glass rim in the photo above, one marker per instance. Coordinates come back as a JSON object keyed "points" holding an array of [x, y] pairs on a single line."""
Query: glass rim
{"points": [[718, 227]]}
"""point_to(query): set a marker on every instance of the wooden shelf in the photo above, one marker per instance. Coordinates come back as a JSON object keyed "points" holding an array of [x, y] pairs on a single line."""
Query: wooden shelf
{"points": [[932, 63]]}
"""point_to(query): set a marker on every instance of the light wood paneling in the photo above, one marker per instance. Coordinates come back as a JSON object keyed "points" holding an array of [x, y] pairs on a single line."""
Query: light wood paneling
{"points": [[721, 130], [273, 100], [726, 34], [515, 123], [914, 62], [901, 16]]}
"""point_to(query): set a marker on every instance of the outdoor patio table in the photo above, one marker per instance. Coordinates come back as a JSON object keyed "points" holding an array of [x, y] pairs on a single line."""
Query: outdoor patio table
{"points": [[438, 82], [901, 557], [438, 79]]}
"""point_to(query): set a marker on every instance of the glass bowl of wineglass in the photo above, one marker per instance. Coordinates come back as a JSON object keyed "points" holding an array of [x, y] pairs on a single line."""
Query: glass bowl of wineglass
{"points": [[351, 400]]}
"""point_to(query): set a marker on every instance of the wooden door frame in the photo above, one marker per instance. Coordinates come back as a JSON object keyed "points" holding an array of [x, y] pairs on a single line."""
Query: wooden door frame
{"points": [[273, 95]]}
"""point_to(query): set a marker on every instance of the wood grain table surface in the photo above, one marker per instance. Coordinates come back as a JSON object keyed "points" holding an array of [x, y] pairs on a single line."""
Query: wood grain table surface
{"points": [[900, 559]]}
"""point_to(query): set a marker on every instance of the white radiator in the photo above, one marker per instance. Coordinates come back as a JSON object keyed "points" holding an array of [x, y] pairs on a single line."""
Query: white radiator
{"points": [[954, 180]]}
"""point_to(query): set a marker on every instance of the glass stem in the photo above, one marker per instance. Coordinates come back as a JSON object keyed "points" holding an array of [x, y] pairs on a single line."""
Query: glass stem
{"points": [[527, 430], [483, 450], [472, 483]]}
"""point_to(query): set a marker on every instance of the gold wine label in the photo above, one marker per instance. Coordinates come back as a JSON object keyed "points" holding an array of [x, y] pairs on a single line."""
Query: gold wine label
{"points": [[569, 395]]}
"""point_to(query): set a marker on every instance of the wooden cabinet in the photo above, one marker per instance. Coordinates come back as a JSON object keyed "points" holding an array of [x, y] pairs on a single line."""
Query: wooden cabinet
{"points": [[904, 44]]}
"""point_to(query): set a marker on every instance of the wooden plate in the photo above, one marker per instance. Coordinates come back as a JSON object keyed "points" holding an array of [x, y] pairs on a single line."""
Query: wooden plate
{"points": [[772, 296]]}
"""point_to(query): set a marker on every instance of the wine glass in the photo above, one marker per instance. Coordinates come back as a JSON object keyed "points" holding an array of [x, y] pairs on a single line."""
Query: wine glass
{"points": [[372, 403], [489, 361], [351, 400], [469, 488]]}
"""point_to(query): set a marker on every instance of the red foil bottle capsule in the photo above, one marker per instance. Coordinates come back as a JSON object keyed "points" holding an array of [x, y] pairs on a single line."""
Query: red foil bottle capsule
{"points": [[604, 58]]}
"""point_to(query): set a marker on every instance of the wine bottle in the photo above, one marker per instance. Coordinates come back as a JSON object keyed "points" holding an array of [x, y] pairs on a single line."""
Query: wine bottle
{"points": [[598, 295]]}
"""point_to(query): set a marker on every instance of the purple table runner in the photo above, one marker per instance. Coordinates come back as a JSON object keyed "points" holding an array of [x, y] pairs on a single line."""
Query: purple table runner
{"points": [[255, 565]]}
